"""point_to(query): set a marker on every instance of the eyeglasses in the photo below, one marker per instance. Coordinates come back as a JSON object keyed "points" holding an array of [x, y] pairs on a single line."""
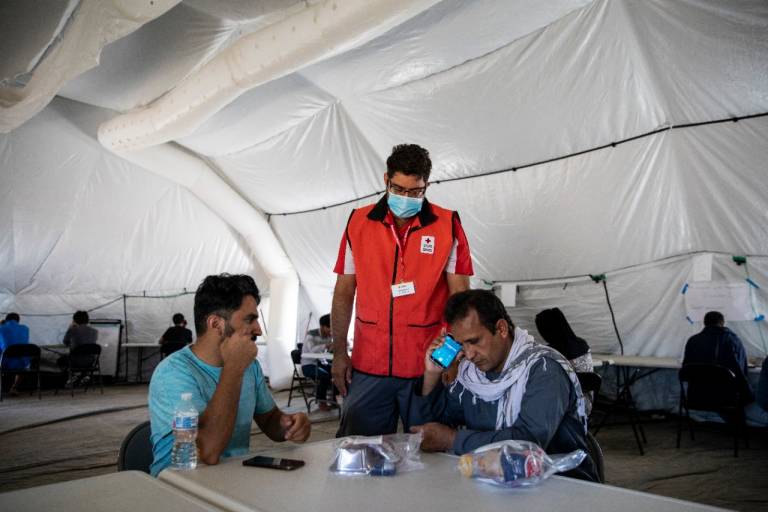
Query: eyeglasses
{"points": [[410, 192]]}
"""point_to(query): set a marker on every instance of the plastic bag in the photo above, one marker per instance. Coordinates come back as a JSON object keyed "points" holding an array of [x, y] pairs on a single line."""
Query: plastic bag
{"points": [[516, 463], [377, 455]]}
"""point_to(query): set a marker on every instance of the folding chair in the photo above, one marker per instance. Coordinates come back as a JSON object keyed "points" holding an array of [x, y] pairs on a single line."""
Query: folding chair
{"points": [[590, 381], [590, 385], [136, 450], [597, 456], [299, 382], [713, 388], [28, 352], [84, 360]]}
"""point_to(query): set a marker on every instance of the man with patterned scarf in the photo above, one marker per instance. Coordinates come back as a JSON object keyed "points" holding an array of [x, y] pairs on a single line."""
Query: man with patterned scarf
{"points": [[507, 387]]}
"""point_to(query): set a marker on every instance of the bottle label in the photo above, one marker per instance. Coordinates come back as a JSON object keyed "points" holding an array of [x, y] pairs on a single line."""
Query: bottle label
{"points": [[184, 422]]}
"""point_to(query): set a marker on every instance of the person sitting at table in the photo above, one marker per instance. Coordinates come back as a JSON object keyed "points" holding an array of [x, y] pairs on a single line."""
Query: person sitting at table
{"points": [[557, 332], [178, 333], [225, 379], [507, 387], [716, 344], [79, 333], [761, 397], [12, 332], [318, 341]]}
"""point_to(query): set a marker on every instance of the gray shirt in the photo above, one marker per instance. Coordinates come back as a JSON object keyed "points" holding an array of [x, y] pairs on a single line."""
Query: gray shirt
{"points": [[80, 335]]}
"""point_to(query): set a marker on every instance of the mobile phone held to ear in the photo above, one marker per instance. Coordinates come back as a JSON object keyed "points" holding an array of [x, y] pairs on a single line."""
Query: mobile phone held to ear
{"points": [[444, 355], [273, 463]]}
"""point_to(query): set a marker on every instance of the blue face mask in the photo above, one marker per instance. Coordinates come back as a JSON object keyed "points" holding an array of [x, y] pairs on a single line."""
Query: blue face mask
{"points": [[403, 206]]}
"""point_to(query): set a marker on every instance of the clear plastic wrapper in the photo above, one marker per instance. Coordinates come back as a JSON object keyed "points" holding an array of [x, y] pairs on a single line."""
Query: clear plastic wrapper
{"points": [[516, 463], [377, 455]]}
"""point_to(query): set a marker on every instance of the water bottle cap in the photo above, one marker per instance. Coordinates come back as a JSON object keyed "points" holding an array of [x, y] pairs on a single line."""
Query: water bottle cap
{"points": [[186, 396]]}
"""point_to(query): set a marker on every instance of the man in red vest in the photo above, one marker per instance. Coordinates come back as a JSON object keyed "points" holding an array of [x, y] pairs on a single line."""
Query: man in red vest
{"points": [[404, 257]]}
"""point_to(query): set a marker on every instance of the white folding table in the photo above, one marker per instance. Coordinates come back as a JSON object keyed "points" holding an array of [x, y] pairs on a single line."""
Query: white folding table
{"points": [[439, 486], [128, 491], [139, 357], [317, 356]]}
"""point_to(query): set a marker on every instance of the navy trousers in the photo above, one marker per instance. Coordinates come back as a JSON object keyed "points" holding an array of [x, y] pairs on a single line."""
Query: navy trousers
{"points": [[374, 405]]}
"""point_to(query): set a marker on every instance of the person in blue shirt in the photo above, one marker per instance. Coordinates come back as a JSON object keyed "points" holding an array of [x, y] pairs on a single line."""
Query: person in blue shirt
{"points": [[221, 372], [13, 333]]}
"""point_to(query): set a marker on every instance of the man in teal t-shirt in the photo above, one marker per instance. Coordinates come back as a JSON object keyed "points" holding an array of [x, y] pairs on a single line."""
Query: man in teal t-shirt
{"points": [[226, 382]]}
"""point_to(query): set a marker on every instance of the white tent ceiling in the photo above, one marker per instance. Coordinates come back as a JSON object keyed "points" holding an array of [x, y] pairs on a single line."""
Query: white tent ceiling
{"points": [[486, 86]]}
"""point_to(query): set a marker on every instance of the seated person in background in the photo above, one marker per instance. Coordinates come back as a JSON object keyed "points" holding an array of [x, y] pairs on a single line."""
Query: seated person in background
{"points": [[556, 331], [221, 372], [508, 387], [761, 396], [79, 333], [716, 344], [178, 333], [318, 341], [12, 332]]}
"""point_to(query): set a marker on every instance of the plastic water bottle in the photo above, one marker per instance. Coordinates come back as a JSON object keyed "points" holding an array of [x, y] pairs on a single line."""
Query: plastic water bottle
{"points": [[184, 452], [504, 464]]}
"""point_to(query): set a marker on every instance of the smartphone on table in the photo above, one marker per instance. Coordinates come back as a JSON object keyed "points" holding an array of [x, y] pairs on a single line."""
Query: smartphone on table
{"points": [[273, 462], [446, 353]]}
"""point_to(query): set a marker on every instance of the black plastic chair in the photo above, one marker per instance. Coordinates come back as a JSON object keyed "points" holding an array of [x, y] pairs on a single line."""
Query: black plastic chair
{"points": [[84, 360], [300, 382], [170, 347], [24, 351], [597, 456], [590, 386], [712, 388], [136, 450], [590, 381]]}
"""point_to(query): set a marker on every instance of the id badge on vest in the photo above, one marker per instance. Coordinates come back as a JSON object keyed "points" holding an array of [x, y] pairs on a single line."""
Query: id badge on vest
{"points": [[403, 289]]}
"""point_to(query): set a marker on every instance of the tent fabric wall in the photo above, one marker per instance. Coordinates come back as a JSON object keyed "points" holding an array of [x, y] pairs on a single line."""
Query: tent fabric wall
{"points": [[486, 86], [82, 226], [85, 30], [663, 195]]}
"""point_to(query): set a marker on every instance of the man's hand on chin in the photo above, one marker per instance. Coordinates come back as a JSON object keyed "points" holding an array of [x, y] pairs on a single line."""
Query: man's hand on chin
{"points": [[437, 437]]}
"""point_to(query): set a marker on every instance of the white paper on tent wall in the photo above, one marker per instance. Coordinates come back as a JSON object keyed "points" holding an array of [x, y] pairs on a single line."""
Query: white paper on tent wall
{"points": [[507, 292], [702, 267], [730, 299]]}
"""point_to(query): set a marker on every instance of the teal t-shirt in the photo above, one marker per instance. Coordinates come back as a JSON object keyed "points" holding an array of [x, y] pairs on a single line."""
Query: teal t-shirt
{"points": [[184, 372]]}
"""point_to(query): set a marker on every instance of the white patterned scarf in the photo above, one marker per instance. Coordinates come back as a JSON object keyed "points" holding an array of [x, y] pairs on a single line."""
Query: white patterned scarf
{"points": [[509, 387]]}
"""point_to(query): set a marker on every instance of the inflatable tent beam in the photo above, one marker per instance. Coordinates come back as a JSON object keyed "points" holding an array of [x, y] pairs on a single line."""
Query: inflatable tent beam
{"points": [[179, 166], [89, 27], [321, 30]]}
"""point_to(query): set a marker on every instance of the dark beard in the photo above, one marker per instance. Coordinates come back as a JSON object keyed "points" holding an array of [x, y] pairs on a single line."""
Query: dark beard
{"points": [[228, 330]]}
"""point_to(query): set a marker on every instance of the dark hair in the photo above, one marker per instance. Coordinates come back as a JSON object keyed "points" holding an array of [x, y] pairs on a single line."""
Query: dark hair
{"points": [[12, 316], [713, 318], [221, 295], [81, 318], [411, 160], [325, 320], [488, 306], [178, 318], [557, 332]]}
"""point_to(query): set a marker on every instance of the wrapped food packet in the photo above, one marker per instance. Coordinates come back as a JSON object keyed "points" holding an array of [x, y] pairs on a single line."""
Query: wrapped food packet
{"points": [[516, 463], [377, 455]]}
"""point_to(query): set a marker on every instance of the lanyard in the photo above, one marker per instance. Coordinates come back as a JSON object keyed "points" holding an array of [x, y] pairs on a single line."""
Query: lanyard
{"points": [[401, 247]]}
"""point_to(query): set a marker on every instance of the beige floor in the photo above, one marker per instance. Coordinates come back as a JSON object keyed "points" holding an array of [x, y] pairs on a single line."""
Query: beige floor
{"points": [[61, 438]]}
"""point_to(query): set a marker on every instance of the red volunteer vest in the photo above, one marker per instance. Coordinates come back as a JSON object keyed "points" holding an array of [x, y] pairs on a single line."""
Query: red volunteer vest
{"points": [[393, 333]]}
